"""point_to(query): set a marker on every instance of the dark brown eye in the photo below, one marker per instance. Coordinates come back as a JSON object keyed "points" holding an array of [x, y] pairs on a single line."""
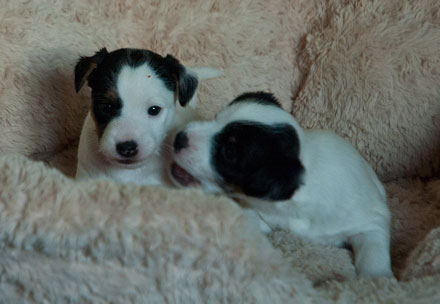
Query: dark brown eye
{"points": [[106, 107], [154, 110]]}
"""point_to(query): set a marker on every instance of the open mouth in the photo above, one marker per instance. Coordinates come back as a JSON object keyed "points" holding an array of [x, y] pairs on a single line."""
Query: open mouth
{"points": [[182, 176]]}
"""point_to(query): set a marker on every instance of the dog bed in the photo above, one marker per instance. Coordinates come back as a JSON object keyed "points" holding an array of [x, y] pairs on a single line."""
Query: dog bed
{"points": [[369, 70]]}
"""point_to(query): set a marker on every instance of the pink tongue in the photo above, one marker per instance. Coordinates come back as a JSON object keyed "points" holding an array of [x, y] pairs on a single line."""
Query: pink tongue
{"points": [[182, 176]]}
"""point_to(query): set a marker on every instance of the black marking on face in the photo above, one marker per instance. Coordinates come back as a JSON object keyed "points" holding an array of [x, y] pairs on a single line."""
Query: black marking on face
{"points": [[260, 97], [105, 107], [259, 160], [101, 72]]}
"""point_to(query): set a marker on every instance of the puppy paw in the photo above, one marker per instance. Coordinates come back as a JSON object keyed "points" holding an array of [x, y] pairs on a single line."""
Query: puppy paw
{"points": [[374, 271], [372, 254]]}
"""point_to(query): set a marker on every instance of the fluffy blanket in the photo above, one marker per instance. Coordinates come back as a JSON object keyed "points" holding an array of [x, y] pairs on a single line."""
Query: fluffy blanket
{"points": [[369, 70]]}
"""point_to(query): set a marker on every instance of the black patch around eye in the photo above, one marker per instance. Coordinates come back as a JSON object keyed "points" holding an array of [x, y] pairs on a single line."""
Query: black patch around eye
{"points": [[104, 110], [265, 162], [264, 98], [229, 152], [106, 107]]}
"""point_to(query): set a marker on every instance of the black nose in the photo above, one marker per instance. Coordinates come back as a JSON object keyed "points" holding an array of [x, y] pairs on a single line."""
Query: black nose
{"points": [[127, 148], [181, 141]]}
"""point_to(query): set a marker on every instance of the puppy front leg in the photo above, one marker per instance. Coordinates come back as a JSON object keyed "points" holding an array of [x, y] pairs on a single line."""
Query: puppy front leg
{"points": [[372, 254]]}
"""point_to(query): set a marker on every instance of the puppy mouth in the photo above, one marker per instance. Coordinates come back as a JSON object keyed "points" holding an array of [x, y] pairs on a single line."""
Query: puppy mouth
{"points": [[182, 176], [129, 163], [126, 161]]}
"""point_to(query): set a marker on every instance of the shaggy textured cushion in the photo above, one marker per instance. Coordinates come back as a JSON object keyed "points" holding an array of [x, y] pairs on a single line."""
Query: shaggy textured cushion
{"points": [[372, 75], [98, 241], [370, 70]]}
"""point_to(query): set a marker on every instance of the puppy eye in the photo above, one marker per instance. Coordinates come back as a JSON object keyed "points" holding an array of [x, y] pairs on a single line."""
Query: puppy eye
{"points": [[232, 139], [106, 107], [229, 152], [154, 110]]}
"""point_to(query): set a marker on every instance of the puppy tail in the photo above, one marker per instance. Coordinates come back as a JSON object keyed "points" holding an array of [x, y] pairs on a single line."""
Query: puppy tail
{"points": [[203, 73]]}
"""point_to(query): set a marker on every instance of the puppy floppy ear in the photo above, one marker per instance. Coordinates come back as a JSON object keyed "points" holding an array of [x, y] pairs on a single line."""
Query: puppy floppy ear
{"points": [[276, 181], [85, 67], [185, 82]]}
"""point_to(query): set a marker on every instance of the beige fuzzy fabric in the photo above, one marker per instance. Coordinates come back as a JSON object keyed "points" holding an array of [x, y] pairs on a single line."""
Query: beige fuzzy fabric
{"points": [[370, 70], [372, 75]]}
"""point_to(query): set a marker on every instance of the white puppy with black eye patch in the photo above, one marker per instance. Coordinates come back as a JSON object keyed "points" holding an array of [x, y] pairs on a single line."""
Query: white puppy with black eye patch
{"points": [[138, 98], [311, 182]]}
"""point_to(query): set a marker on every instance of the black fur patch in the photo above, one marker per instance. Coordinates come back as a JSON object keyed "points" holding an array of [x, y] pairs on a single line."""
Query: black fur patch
{"points": [[260, 97], [259, 160], [102, 69], [85, 66], [186, 83]]}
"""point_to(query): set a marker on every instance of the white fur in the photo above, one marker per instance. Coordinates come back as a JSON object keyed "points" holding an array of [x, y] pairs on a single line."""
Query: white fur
{"points": [[341, 200], [99, 158]]}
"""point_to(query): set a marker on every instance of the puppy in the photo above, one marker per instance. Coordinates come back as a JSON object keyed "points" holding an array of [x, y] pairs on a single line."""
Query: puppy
{"points": [[311, 182], [138, 97]]}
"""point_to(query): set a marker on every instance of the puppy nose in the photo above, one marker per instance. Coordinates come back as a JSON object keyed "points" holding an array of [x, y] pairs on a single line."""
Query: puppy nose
{"points": [[127, 148], [181, 141]]}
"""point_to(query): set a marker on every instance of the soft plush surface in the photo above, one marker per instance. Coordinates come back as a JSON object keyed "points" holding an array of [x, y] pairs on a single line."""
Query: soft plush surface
{"points": [[372, 75], [370, 70], [97, 241]]}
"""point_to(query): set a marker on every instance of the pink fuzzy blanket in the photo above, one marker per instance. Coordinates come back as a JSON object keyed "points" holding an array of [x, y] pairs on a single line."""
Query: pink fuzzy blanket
{"points": [[369, 70]]}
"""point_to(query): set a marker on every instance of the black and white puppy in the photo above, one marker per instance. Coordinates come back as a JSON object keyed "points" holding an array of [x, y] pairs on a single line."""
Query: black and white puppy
{"points": [[311, 182], [138, 97]]}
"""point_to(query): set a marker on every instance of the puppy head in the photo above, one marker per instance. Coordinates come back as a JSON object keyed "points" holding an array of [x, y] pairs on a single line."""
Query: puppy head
{"points": [[251, 148], [133, 100]]}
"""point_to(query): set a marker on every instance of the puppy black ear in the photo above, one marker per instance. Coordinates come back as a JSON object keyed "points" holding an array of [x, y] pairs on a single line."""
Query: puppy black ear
{"points": [[185, 82], [275, 182], [85, 67]]}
